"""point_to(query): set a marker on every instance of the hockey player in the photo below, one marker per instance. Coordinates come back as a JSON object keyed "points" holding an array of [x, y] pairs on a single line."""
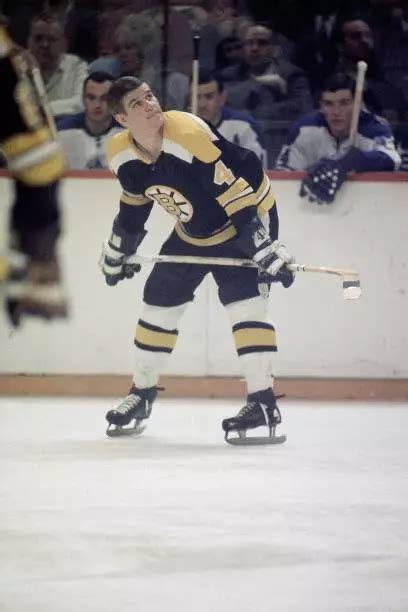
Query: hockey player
{"points": [[33, 284], [224, 206], [319, 143]]}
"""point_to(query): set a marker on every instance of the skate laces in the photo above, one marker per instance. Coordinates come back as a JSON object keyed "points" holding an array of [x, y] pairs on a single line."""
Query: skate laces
{"points": [[247, 408], [131, 401]]}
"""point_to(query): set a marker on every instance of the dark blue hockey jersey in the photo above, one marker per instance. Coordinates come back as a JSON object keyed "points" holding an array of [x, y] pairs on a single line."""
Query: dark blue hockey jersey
{"points": [[211, 186]]}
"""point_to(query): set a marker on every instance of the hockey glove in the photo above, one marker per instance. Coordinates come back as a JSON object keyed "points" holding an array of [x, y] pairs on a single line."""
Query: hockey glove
{"points": [[272, 257], [325, 178], [120, 245]]}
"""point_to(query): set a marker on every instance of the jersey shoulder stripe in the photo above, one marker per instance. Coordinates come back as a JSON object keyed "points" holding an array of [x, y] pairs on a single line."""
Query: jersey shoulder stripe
{"points": [[119, 150], [188, 137]]}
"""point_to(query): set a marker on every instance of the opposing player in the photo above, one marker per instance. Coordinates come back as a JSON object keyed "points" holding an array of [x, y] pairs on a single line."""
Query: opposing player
{"points": [[33, 282], [224, 206]]}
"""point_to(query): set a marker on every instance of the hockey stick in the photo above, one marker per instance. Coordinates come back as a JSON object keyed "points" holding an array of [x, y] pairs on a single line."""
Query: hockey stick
{"points": [[350, 278], [195, 71], [42, 96], [358, 98]]}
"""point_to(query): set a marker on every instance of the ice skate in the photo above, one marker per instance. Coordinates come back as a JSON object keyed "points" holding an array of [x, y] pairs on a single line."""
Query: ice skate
{"points": [[131, 414], [260, 410]]}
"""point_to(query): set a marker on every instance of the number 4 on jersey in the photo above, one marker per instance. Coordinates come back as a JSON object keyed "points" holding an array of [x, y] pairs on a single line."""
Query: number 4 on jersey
{"points": [[222, 174]]}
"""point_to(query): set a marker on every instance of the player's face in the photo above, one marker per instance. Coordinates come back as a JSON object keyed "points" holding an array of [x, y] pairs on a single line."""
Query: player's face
{"points": [[96, 108], [143, 111], [337, 107], [209, 101]]}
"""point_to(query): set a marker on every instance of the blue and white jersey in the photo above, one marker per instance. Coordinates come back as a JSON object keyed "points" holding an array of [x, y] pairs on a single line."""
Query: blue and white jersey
{"points": [[83, 149], [310, 140], [243, 130]]}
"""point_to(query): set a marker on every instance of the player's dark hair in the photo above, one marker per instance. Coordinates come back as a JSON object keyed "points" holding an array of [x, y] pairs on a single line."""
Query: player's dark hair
{"points": [[208, 76], [118, 91], [337, 81], [99, 76]]}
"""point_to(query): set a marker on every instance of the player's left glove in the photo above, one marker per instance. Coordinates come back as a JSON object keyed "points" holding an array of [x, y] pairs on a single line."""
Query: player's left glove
{"points": [[272, 257], [325, 178]]}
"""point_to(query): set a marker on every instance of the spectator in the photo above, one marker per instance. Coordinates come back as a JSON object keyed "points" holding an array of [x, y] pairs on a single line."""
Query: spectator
{"points": [[315, 50], [234, 125], [391, 38], [228, 52], [356, 42], [223, 21], [83, 136], [149, 17], [132, 47], [319, 142], [264, 83], [63, 73]]}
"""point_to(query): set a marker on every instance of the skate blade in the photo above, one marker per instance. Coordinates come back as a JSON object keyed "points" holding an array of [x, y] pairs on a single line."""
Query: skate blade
{"points": [[256, 440], [115, 431]]}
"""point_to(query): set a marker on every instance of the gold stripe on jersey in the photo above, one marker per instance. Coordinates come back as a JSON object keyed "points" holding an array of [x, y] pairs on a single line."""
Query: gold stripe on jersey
{"points": [[265, 198], [238, 188], [238, 196], [192, 136], [239, 204], [153, 338], [120, 149], [34, 157], [254, 337], [133, 200], [218, 237]]}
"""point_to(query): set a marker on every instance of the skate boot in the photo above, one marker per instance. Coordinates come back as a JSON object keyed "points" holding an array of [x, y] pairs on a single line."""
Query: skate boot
{"points": [[134, 409], [260, 409]]}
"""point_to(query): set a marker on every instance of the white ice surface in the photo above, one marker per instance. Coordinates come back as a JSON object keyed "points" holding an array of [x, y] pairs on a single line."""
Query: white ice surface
{"points": [[177, 520]]}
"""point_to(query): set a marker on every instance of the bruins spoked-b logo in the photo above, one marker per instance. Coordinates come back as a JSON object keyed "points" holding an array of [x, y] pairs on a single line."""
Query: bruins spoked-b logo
{"points": [[173, 201]]}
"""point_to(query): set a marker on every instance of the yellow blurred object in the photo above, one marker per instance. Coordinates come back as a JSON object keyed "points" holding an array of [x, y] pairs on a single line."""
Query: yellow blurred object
{"points": [[4, 269]]}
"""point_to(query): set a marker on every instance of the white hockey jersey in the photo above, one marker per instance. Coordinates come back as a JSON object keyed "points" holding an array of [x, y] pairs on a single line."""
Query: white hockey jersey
{"points": [[243, 130], [310, 140], [83, 149]]}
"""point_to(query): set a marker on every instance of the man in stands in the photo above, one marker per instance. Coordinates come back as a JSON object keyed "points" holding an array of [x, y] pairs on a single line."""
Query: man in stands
{"points": [[63, 73], [84, 135]]}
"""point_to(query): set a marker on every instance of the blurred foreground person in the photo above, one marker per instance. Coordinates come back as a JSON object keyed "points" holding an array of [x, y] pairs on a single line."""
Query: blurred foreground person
{"points": [[31, 269]]}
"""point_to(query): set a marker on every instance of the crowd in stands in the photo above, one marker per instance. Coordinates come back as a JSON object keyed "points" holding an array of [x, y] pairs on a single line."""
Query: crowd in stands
{"points": [[276, 77]]}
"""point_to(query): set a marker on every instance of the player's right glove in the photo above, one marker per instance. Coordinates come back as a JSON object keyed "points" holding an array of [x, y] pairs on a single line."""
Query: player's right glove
{"points": [[116, 250], [272, 257]]}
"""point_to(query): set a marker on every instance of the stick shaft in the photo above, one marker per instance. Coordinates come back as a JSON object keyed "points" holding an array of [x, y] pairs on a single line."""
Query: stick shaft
{"points": [[195, 73], [233, 261], [42, 95], [358, 97]]}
